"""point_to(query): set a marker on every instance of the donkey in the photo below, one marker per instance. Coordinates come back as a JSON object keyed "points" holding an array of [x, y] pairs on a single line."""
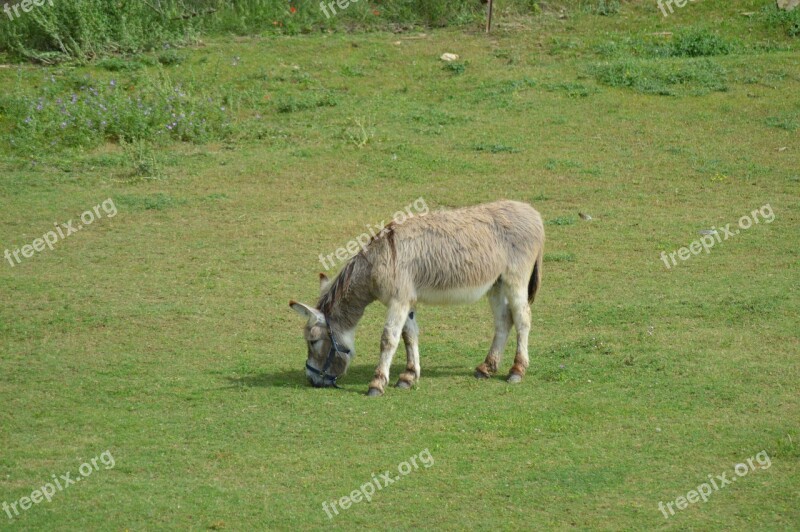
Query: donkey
{"points": [[443, 257]]}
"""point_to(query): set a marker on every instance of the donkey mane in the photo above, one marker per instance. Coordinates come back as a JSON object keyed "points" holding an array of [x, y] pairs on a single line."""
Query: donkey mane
{"points": [[338, 288], [341, 284]]}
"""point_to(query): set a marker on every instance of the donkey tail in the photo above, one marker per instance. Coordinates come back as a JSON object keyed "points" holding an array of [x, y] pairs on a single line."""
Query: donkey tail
{"points": [[536, 277]]}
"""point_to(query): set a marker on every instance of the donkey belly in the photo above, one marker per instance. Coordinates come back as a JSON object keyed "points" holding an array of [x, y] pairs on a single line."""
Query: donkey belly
{"points": [[452, 296]]}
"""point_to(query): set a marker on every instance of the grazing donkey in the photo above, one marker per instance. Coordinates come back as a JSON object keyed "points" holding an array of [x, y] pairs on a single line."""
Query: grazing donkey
{"points": [[443, 257]]}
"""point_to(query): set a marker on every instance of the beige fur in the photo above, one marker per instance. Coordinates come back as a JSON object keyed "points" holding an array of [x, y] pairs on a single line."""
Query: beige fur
{"points": [[443, 257]]}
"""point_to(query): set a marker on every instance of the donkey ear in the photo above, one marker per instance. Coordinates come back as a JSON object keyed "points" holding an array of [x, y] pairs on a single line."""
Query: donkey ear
{"points": [[310, 313], [324, 283]]}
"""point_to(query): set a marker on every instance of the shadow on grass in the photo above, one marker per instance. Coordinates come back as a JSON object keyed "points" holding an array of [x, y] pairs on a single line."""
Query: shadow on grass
{"points": [[355, 376]]}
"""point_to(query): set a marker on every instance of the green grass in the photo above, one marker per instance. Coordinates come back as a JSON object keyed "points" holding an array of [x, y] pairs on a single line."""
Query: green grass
{"points": [[662, 77], [163, 334]]}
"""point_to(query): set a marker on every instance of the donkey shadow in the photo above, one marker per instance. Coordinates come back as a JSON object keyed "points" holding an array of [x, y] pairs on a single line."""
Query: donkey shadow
{"points": [[355, 375]]}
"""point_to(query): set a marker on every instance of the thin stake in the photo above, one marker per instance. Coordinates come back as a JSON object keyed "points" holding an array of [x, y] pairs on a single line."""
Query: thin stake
{"points": [[489, 20]]}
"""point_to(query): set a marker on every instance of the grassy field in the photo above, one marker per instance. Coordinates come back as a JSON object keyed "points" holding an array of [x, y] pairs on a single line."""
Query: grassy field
{"points": [[162, 334]]}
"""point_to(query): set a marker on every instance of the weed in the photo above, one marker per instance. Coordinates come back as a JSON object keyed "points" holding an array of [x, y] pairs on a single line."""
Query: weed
{"points": [[494, 148], [690, 42], [571, 89], [170, 58], [785, 122], [142, 158], [295, 103], [455, 67], [437, 117], [559, 257], [561, 220], [361, 131], [352, 71], [699, 43], [788, 21], [61, 116], [601, 7], [117, 64], [153, 202]]}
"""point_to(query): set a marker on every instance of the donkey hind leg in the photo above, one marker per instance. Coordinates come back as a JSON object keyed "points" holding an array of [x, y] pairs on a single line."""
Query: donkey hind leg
{"points": [[521, 312], [411, 339], [502, 326], [395, 319]]}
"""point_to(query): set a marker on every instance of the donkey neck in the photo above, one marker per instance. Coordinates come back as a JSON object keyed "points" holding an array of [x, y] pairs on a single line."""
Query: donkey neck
{"points": [[349, 294], [345, 316]]}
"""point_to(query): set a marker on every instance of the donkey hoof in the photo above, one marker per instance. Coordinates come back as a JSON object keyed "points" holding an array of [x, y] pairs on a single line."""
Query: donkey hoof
{"points": [[374, 392], [514, 378], [403, 384], [480, 375]]}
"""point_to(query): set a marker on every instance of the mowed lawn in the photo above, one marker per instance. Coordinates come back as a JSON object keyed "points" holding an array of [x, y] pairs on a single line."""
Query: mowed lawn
{"points": [[163, 334]]}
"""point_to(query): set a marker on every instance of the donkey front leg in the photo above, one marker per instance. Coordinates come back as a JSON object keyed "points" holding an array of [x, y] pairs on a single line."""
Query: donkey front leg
{"points": [[395, 319], [411, 339]]}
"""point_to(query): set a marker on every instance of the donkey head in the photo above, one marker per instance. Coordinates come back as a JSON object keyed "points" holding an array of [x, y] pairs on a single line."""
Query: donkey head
{"points": [[328, 354]]}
